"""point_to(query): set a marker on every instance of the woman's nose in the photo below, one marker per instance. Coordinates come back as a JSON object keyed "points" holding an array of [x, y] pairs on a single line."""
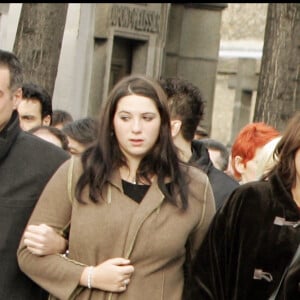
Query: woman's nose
{"points": [[136, 126]]}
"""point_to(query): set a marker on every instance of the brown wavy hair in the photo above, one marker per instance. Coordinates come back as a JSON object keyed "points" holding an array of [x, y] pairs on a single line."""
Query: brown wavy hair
{"points": [[100, 160], [286, 151]]}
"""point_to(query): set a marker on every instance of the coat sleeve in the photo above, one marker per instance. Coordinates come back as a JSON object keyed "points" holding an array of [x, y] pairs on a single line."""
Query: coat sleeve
{"points": [[290, 287], [53, 208], [206, 215]]}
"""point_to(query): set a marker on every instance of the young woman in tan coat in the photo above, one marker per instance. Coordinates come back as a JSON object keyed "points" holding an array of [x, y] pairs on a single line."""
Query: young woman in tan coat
{"points": [[134, 210]]}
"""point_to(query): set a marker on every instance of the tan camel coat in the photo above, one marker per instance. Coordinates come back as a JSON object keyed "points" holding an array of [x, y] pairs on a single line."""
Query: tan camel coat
{"points": [[151, 234]]}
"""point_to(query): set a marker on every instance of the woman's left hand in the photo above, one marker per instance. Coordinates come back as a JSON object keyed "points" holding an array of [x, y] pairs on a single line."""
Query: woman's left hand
{"points": [[44, 240]]}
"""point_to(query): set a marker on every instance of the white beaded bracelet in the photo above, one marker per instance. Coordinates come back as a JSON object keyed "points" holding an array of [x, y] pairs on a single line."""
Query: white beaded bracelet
{"points": [[89, 279]]}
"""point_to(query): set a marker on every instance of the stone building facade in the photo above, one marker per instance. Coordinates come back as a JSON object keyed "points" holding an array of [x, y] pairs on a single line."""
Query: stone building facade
{"points": [[217, 46], [105, 41], [241, 45]]}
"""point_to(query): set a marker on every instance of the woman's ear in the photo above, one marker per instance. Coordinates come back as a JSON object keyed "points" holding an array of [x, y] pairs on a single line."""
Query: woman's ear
{"points": [[239, 164], [175, 127]]}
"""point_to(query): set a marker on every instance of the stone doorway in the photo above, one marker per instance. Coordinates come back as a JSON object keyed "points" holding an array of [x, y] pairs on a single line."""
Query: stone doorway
{"points": [[128, 56]]}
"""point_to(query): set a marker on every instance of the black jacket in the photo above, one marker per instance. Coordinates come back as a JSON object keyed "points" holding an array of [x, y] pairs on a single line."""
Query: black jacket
{"points": [[26, 164], [251, 240], [222, 184]]}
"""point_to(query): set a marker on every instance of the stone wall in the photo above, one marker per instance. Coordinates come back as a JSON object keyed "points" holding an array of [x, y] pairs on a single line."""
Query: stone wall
{"points": [[242, 34], [244, 21]]}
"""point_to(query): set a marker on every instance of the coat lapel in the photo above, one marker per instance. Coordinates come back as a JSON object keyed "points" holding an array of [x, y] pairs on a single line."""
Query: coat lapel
{"points": [[151, 202]]}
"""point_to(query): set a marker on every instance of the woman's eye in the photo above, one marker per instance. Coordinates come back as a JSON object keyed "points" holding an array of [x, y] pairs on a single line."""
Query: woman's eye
{"points": [[124, 118], [148, 118]]}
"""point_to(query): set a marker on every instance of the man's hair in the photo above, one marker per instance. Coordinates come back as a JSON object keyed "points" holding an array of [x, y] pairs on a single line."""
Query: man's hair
{"points": [[37, 92], [185, 103], [201, 131], [61, 117], [84, 130], [54, 131], [10, 61]]}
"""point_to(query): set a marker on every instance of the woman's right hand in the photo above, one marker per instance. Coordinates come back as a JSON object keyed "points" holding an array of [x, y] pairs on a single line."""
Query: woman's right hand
{"points": [[113, 275]]}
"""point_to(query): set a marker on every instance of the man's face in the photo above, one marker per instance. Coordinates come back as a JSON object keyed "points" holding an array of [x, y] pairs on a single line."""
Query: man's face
{"points": [[8, 100], [30, 114]]}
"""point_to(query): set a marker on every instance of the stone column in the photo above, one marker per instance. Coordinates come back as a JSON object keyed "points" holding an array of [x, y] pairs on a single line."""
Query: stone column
{"points": [[244, 83], [192, 48]]}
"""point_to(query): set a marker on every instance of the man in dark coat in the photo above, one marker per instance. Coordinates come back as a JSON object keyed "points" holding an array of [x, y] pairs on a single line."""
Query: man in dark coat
{"points": [[221, 183], [26, 164], [186, 109]]}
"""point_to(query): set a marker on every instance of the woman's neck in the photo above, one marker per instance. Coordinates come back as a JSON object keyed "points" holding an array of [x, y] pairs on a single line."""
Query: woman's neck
{"points": [[129, 173]]}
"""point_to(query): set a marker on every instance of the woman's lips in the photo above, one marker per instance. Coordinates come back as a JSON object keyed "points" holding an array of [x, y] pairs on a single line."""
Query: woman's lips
{"points": [[136, 142]]}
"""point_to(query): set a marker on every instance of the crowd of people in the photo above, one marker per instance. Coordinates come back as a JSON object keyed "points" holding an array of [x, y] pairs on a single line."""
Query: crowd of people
{"points": [[140, 202], [37, 116]]}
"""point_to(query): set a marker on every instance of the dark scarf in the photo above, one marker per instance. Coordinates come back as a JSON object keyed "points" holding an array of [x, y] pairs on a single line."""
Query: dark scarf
{"points": [[9, 134]]}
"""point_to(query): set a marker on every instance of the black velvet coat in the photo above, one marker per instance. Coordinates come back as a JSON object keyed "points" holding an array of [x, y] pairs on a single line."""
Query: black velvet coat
{"points": [[26, 164], [251, 240], [222, 184]]}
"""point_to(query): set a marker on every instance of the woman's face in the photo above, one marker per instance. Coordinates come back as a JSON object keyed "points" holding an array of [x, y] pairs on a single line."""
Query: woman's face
{"points": [[248, 171], [136, 125]]}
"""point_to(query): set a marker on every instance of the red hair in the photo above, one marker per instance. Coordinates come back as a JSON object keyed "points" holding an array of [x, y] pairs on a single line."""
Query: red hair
{"points": [[250, 138]]}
